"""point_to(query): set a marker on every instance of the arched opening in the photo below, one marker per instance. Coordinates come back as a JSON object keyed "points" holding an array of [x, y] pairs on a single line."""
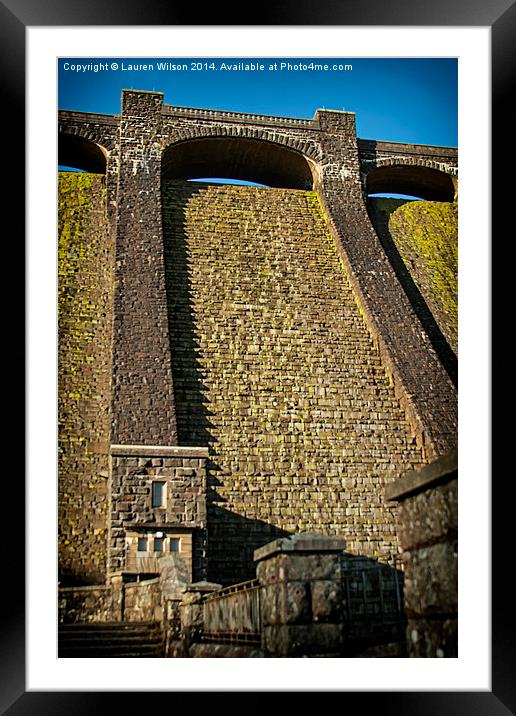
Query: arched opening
{"points": [[410, 181], [76, 153], [396, 196], [230, 182], [238, 158]]}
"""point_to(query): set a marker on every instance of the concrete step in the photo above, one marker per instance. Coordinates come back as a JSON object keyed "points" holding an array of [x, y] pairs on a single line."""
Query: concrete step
{"points": [[118, 639], [111, 651]]}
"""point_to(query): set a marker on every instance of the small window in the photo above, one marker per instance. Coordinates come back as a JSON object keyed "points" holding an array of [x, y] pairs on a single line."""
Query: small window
{"points": [[158, 494], [142, 544], [158, 544], [175, 544]]}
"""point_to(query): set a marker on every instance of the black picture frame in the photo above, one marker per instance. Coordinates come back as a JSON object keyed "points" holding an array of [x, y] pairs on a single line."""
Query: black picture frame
{"points": [[500, 17]]}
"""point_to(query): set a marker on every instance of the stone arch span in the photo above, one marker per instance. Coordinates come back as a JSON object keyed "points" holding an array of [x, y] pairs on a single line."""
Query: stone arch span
{"points": [[427, 179], [247, 158], [82, 152]]}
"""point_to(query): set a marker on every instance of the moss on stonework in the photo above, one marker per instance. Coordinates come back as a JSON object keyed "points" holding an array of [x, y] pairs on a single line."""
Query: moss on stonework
{"points": [[276, 371], [84, 307], [425, 234]]}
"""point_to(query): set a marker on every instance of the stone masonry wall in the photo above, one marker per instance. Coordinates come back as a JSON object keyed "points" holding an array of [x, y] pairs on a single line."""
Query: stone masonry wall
{"points": [[146, 129], [428, 531], [275, 369], [184, 476], [425, 234], [420, 239], [288, 321], [85, 295], [143, 403], [142, 601], [427, 392], [85, 604]]}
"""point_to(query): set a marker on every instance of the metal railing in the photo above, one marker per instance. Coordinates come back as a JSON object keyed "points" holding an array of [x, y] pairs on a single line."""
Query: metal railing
{"points": [[232, 615], [373, 597]]}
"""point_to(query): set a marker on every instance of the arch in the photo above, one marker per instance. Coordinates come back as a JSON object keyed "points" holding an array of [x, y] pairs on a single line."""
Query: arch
{"points": [[426, 179], [305, 146], [77, 151], [234, 156]]}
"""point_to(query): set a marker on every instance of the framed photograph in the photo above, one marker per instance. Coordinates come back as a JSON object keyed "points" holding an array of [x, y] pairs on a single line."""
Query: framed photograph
{"points": [[479, 678]]}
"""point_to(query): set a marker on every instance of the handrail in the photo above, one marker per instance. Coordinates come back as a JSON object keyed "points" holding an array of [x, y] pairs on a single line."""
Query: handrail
{"points": [[229, 115], [233, 612]]}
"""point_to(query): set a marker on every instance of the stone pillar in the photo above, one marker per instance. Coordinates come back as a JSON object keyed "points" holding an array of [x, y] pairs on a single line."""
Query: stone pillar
{"points": [[192, 611], [117, 596], [428, 395], [301, 598], [428, 529], [143, 402]]}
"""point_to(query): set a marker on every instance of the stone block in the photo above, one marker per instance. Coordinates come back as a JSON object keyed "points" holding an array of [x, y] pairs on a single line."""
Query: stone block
{"points": [[432, 638], [270, 605], [327, 601], [431, 580], [294, 603], [299, 640], [294, 566], [191, 611], [429, 516], [267, 571]]}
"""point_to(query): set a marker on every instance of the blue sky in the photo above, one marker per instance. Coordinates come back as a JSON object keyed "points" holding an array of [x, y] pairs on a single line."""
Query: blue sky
{"points": [[399, 100]]}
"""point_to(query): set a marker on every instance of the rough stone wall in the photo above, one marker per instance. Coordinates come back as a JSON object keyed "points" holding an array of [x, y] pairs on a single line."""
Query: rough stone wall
{"points": [[143, 393], [143, 403], [146, 128], [371, 150], [85, 295], [142, 601], [431, 573], [185, 506], [302, 600], [133, 602], [275, 370], [428, 534], [425, 235], [428, 394], [87, 604]]}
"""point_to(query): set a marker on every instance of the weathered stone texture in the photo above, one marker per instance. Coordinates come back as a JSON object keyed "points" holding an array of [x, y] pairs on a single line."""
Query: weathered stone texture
{"points": [[298, 640], [428, 530], [302, 614], [143, 404], [420, 380], [431, 580], [183, 513], [216, 651], [431, 638], [142, 601], [275, 370], [117, 601], [147, 128], [279, 334], [85, 604], [85, 295], [421, 239], [429, 517], [371, 150]]}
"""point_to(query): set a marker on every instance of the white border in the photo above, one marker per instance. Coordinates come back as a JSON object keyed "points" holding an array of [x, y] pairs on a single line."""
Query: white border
{"points": [[471, 671]]}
